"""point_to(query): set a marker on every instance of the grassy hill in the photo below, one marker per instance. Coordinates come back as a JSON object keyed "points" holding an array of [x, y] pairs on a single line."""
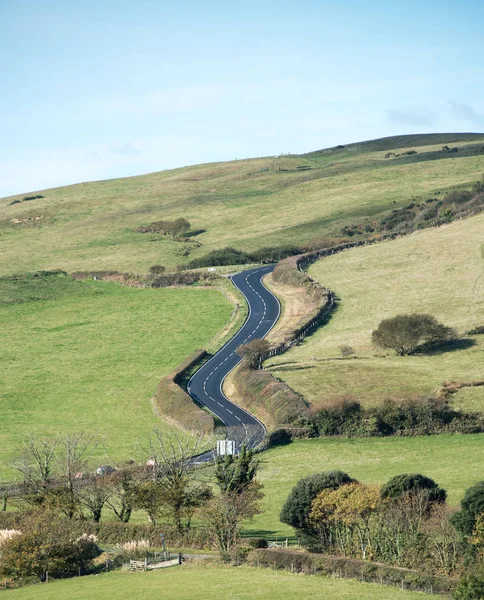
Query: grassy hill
{"points": [[87, 356], [214, 582], [247, 204], [438, 271]]}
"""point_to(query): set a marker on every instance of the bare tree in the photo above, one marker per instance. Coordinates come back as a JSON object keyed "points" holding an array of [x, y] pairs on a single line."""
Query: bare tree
{"points": [[38, 466], [226, 512], [177, 488], [120, 500], [93, 495], [346, 350], [74, 456]]}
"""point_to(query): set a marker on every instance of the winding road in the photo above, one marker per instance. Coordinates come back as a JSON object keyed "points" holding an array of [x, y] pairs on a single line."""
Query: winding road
{"points": [[206, 385]]}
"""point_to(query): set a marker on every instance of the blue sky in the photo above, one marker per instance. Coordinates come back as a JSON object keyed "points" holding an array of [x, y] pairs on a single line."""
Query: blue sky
{"points": [[93, 90]]}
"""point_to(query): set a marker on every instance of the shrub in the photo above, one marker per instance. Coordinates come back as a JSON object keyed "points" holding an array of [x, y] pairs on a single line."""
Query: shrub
{"points": [[157, 269], [419, 416], [472, 505], [46, 545], [297, 506], [257, 543], [224, 256], [254, 352], [470, 586], [174, 228], [231, 256], [406, 333], [346, 350], [344, 417], [400, 485], [479, 330]]}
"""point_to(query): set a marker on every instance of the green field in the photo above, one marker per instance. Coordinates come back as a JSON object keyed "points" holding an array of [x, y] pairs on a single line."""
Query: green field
{"points": [[454, 461], [87, 356], [437, 271], [210, 582], [92, 225]]}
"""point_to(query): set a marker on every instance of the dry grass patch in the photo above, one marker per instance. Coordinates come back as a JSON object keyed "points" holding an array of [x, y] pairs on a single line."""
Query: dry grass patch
{"points": [[296, 308]]}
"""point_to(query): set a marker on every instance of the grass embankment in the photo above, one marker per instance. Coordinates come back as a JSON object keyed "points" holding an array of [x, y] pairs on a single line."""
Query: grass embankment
{"points": [[93, 225], [454, 461], [438, 271], [88, 355], [216, 583]]}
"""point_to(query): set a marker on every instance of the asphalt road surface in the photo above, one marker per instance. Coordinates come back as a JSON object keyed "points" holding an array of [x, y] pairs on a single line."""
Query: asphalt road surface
{"points": [[206, 385]]}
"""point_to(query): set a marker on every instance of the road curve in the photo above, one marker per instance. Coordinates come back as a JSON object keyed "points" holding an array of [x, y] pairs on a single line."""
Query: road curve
{"points": [[205, 387]]}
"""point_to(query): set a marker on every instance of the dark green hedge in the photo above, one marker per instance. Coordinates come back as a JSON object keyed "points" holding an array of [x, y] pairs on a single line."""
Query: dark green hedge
{"points": [[321, 564]]}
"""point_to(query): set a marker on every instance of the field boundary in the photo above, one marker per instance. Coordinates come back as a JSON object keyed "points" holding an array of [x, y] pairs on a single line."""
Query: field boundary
{"points": [[172, 402], [350, 568]]}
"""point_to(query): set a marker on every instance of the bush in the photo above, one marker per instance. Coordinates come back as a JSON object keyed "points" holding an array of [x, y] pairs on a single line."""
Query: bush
{"points": [[420, 416], [344, 418], [416, 416], [479, 330], [46, 544], [111, 533], [297, 506], [470, 587], [174, 228], [254, 352], [400, 485], [231, 256], [472, 505], [407, 333], [157, 269], [224, 256], [257, 543], [133, 550]]}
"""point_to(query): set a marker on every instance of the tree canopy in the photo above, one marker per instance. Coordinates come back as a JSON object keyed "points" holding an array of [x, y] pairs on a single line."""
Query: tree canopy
{"points": [[407, 333]]}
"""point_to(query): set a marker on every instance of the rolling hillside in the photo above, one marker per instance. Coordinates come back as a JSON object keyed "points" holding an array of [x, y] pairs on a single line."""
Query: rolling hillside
{"points": [[438, 271], [247, 204]]}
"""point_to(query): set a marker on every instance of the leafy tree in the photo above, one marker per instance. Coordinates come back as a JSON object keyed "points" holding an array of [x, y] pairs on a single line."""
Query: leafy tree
{"points": [[346, 512], [472, 505], [412, 483], [235, 475], [297, 507], [406, 333], [147, 496], [253, 352], [226, 512]]}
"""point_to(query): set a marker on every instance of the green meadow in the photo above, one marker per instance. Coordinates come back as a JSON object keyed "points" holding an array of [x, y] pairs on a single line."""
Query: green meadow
{"points": [[214, 582], [87, 356]]}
